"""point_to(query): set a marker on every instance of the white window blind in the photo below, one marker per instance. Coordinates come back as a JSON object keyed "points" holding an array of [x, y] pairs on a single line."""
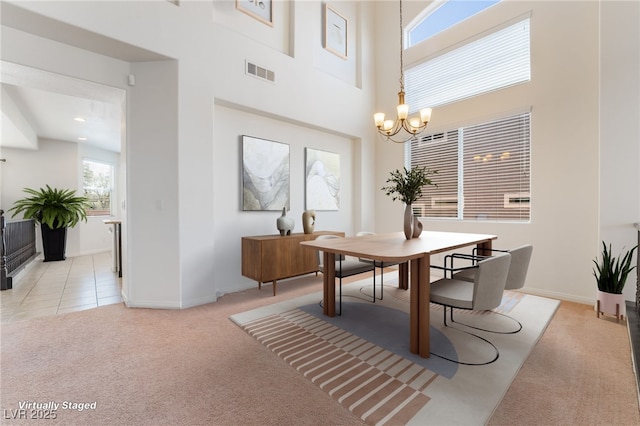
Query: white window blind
{"points": [[492, 62], [437, 152], [496, 167], [483, 171]]}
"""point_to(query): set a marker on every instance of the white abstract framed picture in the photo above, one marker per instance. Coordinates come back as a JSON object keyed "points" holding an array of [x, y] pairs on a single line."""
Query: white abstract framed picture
{"points": [[335, 32], [322, 189], [258, 9], [265, 174]]}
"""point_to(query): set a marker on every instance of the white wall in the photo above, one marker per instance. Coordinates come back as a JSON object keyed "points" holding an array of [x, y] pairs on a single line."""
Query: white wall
{"points": [[620, 128], [566, 126], [232, 223]]}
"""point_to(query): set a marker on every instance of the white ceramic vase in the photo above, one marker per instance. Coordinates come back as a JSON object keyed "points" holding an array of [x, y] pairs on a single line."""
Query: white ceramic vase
{"points": [[408, 221]]}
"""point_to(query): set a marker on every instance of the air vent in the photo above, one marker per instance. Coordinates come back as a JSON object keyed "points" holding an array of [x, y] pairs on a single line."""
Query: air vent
{"points": [[260, 72]]}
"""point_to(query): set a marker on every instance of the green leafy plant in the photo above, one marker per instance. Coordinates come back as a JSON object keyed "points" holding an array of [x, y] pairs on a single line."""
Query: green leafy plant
{"points": [[406, 185], [611, 273], [56, 208]]}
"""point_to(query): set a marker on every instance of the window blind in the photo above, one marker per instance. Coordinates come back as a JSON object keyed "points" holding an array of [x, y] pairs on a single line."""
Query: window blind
{"points": [[438, 152], [483, 171], [497, 60], [496, 165]]}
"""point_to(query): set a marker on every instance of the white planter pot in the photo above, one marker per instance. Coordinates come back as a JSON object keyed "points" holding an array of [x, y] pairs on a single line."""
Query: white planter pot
{"points": [[610, 303]]}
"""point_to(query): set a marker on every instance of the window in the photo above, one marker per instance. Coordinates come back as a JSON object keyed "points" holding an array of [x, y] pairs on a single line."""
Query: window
{"points": [[98, 187], [494, 61], [483, 171], [445, 14]]}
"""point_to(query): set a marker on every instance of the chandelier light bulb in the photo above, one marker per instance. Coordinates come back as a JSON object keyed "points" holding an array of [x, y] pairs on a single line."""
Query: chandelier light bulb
{"points": [[378, 117], [425, 115]]}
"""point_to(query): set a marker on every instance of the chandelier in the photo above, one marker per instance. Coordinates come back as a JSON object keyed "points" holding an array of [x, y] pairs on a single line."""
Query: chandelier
{"points": [[403, 129]]}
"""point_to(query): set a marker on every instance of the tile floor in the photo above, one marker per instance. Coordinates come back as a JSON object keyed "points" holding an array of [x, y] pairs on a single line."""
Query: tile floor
{"points": [[52, 288]]}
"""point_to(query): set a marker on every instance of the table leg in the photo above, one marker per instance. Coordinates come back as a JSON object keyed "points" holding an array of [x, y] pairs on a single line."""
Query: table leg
{"points": [[419, 339], [329, 284], [414, 308], [424, 306], [484, 248], [403, 276]]}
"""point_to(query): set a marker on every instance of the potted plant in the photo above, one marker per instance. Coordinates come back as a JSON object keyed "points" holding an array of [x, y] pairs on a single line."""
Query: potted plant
{"points": [[55, 210], [406, 186], [611, 275]]}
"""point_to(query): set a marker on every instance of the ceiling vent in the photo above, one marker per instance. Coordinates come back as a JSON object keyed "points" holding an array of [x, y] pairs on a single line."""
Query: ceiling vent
{"points": [[260, 72]]}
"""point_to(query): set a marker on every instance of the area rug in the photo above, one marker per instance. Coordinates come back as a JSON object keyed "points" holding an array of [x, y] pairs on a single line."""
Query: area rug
{"points": [[362, 359]]}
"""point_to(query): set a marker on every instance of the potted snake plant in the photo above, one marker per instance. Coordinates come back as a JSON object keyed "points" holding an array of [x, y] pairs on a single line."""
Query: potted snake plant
{"points": [[611, 275], [55, 210]]}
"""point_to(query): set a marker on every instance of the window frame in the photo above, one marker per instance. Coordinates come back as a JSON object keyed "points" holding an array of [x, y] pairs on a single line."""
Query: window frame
{"points": [[429, 82], [431, 194], [112, 171]]}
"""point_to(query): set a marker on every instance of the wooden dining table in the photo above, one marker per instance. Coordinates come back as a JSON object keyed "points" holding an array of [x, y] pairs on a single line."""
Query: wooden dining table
{"points": [[414, 257]]}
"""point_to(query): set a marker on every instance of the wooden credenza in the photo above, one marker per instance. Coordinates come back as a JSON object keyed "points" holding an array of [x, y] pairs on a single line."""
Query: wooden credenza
{"points": [[269, 258]]}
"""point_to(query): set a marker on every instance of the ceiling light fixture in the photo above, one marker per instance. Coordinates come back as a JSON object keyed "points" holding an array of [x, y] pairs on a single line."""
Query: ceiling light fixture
{"points": [[410, 127], [82, 139], [80, 119]]}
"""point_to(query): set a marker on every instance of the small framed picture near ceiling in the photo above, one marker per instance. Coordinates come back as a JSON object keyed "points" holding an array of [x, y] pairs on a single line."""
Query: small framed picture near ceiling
{"points": [[322, 191], [335, 32], [265, 174], [259, 9]]}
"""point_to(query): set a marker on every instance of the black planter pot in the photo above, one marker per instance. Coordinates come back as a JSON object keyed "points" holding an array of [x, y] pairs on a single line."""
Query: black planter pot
{"points": [[54, 242]]}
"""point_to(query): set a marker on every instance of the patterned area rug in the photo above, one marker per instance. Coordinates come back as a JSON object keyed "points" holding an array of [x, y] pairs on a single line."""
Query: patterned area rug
{"points": [[362, 357]]}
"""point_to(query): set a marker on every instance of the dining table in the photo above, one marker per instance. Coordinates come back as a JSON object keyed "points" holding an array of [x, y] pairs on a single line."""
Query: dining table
{"points": [[414, 259]]}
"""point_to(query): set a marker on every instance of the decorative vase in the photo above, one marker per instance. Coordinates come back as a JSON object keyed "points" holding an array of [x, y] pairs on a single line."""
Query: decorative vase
{"points": [[417, 228], [284, 223], [408, 221], [308, 221]]}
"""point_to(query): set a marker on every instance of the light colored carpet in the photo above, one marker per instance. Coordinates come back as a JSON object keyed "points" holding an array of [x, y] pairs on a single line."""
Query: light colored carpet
{"points": [[361, 358]]}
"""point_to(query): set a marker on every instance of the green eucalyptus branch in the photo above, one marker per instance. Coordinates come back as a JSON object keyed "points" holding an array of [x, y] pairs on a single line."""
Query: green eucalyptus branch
{"points": [[406, 185]]}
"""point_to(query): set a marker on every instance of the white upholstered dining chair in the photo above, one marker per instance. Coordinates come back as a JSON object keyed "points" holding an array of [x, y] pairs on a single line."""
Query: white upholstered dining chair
{"points": [[482, 294], [520, 259]]}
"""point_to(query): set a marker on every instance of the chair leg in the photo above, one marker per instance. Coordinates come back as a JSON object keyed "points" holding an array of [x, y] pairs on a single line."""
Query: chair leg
{"points": [[374, 282], [340, 299], [381, 280]]}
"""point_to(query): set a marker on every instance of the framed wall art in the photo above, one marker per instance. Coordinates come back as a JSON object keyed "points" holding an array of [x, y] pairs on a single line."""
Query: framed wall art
{"points": [[335, 32], [265, 174], [322, 184], [259, 9]]}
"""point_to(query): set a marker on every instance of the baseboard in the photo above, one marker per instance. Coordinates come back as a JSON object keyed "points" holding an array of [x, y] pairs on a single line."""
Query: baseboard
{"points": [[559, 296], [169, 305], [633, 327]]}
